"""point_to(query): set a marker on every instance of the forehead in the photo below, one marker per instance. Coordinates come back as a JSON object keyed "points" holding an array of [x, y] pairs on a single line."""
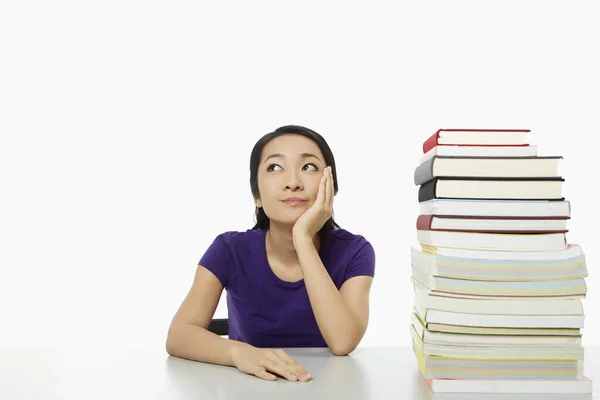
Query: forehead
{"points": [[291, 145]]}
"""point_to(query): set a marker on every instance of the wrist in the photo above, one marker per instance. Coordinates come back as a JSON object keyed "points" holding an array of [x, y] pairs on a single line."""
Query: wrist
{"points": [[302, 239], [233, 349]]}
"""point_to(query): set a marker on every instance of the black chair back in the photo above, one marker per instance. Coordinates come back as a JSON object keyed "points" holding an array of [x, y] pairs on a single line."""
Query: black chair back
{"points": [[219, 326]]}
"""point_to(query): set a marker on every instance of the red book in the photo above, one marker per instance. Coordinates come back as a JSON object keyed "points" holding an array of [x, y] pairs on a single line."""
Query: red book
{"points": [[492, 224], [477, 137]]}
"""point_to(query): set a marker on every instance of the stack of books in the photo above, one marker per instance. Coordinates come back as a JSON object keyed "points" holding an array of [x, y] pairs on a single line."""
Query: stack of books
{"points": [[498, 288]]}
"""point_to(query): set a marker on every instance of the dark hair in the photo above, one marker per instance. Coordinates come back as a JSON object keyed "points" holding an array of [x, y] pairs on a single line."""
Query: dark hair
{"points": [[261, 219]]}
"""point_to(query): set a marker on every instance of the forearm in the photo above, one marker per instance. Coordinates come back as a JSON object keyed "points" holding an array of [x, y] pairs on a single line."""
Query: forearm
{"points": [[195, 343], [338, 324]]}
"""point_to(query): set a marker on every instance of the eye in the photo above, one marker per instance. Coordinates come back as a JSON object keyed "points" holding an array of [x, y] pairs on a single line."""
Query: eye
{"points": [[272, 167], [310, 164]]}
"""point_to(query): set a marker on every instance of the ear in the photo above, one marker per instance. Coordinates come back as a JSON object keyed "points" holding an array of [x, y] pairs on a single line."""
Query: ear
{"points": [[258, 203]]}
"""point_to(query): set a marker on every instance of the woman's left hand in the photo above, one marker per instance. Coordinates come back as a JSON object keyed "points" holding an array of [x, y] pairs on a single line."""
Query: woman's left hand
{"points": [[313, 219]]}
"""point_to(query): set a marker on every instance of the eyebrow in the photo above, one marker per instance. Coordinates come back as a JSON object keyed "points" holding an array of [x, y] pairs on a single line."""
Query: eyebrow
{"points": [[303, 155]]}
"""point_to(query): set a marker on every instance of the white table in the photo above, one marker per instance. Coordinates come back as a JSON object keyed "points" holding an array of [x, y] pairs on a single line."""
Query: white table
{"points": [[96, 373]]}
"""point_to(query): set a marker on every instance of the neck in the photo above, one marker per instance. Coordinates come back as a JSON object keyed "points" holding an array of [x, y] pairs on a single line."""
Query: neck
{"points": [[281, 243]]}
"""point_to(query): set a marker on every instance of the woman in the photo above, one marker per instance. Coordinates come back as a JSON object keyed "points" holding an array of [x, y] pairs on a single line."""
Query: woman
{"points": [[296, 279]]}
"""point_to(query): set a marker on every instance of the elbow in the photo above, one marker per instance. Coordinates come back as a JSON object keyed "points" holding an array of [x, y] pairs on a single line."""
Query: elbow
{"points": [[175, 349], [170, 347], [345, 344], [339, 352], [171, 342], [342, 349]]}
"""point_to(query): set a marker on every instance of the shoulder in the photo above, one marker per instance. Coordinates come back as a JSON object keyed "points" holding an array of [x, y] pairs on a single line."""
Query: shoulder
{"points": [[234, 239], [350, 255], [229, 250], [349, 243]]}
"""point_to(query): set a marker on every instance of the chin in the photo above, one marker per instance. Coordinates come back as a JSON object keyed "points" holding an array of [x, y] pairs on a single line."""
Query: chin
{"points": [[285, 219]]}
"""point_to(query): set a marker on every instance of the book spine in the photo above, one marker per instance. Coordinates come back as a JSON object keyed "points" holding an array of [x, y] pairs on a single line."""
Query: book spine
{"points": [[503, 217], [485, 130], [424, 222], [424, 172], [431, 142], [427, 190]]}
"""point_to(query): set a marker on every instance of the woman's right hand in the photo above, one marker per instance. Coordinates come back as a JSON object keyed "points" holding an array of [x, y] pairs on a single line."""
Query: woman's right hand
{"points": [[267, 363]]}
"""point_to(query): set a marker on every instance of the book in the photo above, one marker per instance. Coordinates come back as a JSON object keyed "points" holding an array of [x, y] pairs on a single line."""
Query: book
{"points": [[500, 352], [493, 241], [502, 321], [569, 387], [572, 250], [480, 151], [436, 367], [492, 330], [492, 189], [493, 167], [426, 299], [498, 288], [448, 338], [567, 287], [497, 269], [496, 208], [492, 224], [468, 137]]}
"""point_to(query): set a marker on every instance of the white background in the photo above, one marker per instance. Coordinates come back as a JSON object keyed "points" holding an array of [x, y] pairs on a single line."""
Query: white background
{"points": [[127, 128]]}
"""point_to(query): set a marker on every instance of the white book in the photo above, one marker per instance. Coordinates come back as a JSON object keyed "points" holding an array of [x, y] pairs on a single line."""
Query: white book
{"points": [[462, 386], [497, 208], [482, 339], [491, 269], [480, 151], [492, 189], [571, 251], [493, 241], [490, 296], [424, 300], [506, 352], [503, 321], [496, 225], [567, 287]]}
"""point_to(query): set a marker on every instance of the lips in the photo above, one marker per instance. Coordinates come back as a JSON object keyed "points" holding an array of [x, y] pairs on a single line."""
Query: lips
{"points": [[294, 201]]}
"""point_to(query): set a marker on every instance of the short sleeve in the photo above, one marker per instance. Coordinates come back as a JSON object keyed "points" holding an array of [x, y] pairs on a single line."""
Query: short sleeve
{"points": [[363, 261], [217, 259]]}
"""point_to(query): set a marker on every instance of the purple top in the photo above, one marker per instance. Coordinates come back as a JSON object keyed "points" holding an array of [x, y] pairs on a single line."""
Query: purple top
{"points": [[266, 311]]}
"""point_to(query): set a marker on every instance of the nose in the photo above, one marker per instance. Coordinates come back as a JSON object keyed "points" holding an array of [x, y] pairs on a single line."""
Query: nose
{"points": [[293, 181]]}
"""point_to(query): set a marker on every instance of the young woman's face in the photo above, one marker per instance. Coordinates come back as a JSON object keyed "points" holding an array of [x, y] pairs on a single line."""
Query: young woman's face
{"points": [[289, 173]]}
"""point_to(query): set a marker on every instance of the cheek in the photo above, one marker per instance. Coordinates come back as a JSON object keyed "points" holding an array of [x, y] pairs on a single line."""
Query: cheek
{"points": [[312, 185], [266, 187]]}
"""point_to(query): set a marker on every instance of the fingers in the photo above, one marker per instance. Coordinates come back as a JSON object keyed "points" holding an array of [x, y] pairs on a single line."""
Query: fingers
{"points": [[294, 366], [276, 365], [263, 374], [320, 200], [327, 188], [276, 362], [331, 186]]}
